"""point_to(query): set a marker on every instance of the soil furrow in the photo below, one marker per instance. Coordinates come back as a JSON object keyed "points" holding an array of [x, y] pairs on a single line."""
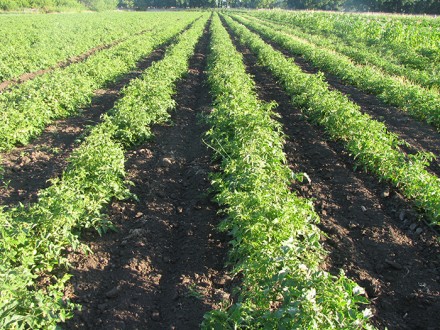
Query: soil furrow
{"points": [[163, 268], [4, 85], [419, 135], [370, 231], [27, 169]]}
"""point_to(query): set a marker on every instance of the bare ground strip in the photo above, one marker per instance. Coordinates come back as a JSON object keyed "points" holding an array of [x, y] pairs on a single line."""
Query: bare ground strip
{"points": [[27, 169], [370, 230], [6, 84], [420, 135], [164, 267]]}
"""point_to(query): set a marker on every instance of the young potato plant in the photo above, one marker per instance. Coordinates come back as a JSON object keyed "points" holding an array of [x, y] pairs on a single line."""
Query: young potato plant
{"points": [[149, 99], [367, 140], [34, 42], [360, 53], [28, 108], [411, 41], [419, 102], [33, 240], [275, 241]]}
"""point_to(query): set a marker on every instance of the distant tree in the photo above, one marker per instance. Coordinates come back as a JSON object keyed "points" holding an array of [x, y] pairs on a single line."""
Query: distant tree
{"points": [[38, 4], [8, 5], [128, 4], [100, 5], [255, 3], [41, 3], [315, 4], [395, 6], [144, 4]]}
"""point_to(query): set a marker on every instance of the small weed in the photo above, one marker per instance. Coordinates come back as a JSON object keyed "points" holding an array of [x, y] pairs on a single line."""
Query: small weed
{"points": [[194, 292]]}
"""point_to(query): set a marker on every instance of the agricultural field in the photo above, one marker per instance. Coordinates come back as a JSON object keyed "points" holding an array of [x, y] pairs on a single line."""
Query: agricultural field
{"points": [[224, 169]]}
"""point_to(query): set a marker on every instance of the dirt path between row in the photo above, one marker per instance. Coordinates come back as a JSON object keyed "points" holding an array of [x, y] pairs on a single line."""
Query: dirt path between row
{"points": [[420, 135], [371, 231], [6, 84], [164, 267], [28, 168]]}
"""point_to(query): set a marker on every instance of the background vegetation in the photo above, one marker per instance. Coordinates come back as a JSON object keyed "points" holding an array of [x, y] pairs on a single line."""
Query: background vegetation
{"points": [[391, 6], [398, 6], [40, 4], [52, 5]]}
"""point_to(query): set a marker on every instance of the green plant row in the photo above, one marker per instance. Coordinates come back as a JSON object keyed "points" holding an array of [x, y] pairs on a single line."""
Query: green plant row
{"points": [[362, 54], [411, 40], [29, 107], [34, 42], [34, 239], [275, 241], [367, 140], [419, 102]]}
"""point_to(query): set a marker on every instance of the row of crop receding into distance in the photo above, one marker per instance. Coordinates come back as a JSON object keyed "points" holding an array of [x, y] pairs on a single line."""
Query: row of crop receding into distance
{"points": [[395, 58], [276, 241]]}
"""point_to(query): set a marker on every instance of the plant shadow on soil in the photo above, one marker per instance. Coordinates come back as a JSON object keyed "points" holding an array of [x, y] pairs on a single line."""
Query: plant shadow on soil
{"points": [[369, 230], [164, 267], [418, 134], [8, 84], [29, 168]]}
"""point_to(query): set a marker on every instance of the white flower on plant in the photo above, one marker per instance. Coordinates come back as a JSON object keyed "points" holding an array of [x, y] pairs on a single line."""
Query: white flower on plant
{"points": [[303, 267], [367, 313], [311, 294], [357, 290]]}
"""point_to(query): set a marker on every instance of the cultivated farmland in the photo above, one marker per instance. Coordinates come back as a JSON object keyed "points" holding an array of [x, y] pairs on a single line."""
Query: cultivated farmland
{"points": [[233, 169]]}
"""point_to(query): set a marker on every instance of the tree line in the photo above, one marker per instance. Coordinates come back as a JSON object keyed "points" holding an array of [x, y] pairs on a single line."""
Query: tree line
{"points": [[51, 5], [390, 6]]}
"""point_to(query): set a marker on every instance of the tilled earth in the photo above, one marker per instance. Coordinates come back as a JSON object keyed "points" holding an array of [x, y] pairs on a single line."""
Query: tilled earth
{"points": [[29, 168], [164, 266], [370, 230], [5, 85]]}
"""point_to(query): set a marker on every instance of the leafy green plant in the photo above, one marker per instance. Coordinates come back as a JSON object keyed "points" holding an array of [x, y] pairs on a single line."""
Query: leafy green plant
{"points": [[421, 103], [33, 240], [428, 76], [411, 41], [275, 241], [36, 42], [368, 140], [29, 107]]}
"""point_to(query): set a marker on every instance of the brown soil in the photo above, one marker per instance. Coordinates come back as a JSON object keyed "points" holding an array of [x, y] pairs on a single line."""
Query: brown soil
{"points": [[163, 268], [4, 85], [28, 168], [420, 135], [371, 232]]}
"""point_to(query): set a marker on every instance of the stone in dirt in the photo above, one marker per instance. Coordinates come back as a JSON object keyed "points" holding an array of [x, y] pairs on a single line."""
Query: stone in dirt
{"points": [[155, 315], [386, 193], [113, 293], [382, 237], [393, 264], [167, 161], [137, 232], [402, 215]]}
